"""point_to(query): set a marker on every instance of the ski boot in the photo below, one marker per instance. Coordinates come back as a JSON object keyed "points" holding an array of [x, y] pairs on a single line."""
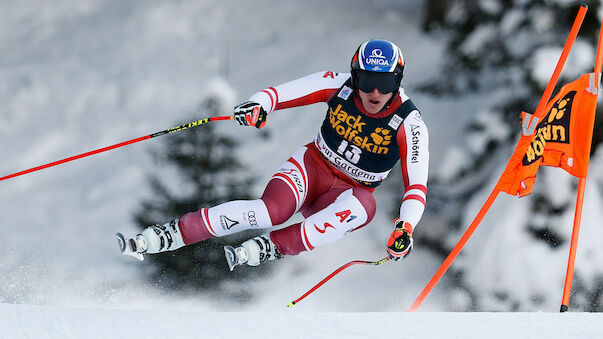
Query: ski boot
{"points": [[132, 246], [154, 239], [252, 252]]}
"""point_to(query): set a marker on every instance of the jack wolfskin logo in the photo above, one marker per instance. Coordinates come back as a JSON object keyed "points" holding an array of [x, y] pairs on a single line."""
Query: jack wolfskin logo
{"points": [[381, 137], [351, 128], [555, 128]]}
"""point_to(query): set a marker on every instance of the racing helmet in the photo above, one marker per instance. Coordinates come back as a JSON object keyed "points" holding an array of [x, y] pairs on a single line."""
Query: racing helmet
{"points": [[377, 64]]}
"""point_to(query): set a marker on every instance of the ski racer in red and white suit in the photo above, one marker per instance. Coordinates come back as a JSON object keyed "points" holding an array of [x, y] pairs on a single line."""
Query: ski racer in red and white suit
{"points": [[331, 179]]}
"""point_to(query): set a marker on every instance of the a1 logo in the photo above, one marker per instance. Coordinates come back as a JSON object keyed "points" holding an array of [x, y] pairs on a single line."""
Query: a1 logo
{"points": [[343, 215]]}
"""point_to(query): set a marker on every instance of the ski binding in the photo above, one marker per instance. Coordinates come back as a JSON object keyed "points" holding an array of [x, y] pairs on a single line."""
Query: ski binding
{"points": [[128, 246], [235, 256]]}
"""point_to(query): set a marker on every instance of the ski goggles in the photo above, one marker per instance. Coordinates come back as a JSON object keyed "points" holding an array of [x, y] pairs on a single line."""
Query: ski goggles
{"points": [[385, 82]]}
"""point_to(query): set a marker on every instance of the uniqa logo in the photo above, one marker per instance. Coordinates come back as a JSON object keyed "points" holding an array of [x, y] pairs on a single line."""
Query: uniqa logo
{"points": [[377, 58], [380, 62], [377, 53]]}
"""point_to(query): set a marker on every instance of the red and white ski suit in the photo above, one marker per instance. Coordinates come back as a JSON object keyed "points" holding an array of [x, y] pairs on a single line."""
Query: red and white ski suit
{"points": [[330, 180]]}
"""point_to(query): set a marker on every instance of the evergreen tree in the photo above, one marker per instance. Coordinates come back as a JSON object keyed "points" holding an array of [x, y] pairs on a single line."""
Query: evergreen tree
{"points": [[494, 48], [209, 174]]}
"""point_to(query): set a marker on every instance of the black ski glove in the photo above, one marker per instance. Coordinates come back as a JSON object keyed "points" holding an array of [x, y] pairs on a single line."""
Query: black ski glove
{"points": [[250, 113], [400, 241]]}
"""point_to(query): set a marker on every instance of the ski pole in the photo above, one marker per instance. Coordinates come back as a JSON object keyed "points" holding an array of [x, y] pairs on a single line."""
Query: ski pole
{"points": [[351, 263], [79, 156]]}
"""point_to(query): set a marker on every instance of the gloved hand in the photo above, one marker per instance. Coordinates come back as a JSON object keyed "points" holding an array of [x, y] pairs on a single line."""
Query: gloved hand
{"points": [[399, 244], [250, 113]]}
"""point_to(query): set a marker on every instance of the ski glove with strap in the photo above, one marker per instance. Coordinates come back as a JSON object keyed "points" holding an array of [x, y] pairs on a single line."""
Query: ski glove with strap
{"points": [[400, 241], [250, 113]]}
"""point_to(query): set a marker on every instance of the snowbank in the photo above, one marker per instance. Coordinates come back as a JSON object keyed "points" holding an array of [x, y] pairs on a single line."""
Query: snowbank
{"points": [[25, 321]]}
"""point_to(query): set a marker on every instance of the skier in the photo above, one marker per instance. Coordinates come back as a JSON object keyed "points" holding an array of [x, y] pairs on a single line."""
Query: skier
{"points": [[370, 124]]}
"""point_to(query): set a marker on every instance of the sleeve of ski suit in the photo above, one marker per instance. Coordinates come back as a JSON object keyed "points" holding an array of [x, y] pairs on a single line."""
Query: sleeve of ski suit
{"points": [[413, 140], [311, 89]]}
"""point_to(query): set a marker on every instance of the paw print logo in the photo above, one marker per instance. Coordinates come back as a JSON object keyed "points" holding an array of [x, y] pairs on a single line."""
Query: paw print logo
{"points": [[558, 111], [381, 136]]}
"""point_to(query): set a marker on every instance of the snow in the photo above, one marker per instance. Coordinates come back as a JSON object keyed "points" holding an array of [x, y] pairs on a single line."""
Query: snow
{"points": [[530, 275], [76, 78], [475, 42], [490, 6], [79, 77], [454, 162], [517, 258], [511, 20], [22, 321], [543, 21], [491, 129], [580, 60], [544, 62]]}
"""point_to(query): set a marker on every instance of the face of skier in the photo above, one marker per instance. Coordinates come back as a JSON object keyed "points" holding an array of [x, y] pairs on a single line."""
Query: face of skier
{"points": [[374, 101]]}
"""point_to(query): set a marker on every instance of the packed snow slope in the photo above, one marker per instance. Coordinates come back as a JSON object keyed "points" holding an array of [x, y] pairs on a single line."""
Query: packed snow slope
{"points": [[58, 322]]}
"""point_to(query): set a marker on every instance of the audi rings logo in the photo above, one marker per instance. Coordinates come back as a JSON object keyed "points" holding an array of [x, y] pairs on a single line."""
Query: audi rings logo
{"points": [[252, 219]]}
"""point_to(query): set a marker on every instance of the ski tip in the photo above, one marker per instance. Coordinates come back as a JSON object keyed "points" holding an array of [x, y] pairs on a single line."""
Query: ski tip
{"points": [[231, 257], [291, 304]]}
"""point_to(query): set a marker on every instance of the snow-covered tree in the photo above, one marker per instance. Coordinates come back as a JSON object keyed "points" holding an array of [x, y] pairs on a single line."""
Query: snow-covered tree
{"points": [[204, 172], [506, 52]]}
